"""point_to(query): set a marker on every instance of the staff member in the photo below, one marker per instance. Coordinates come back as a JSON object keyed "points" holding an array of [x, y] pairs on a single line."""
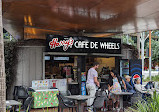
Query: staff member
{"points": [[91, 84]]}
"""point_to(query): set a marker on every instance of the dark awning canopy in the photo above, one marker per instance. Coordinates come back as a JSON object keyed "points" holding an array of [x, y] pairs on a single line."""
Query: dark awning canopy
{"points": [[99, 18]]}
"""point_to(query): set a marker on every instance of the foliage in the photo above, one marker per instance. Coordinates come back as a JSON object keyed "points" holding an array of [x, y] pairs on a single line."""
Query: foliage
{"points": [[155, 49], [130, 41], [10, 53], [154, 33], [8, 37], [153, 78], [124, 37], [151, 105], [46, 110]]}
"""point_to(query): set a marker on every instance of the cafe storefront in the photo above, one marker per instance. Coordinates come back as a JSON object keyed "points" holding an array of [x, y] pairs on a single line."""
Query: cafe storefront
{"points": [[61, 63], [70, 57]]}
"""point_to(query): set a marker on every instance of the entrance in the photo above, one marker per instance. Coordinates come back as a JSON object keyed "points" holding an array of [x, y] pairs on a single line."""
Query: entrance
{"points": [[66, 66]]}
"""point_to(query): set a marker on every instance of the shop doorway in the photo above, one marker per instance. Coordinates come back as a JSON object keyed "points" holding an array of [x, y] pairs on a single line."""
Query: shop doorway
{"points": [[60, 66]]}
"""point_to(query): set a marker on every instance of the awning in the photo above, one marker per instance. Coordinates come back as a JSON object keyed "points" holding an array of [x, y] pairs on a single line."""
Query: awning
{"points": [[99, 18]]}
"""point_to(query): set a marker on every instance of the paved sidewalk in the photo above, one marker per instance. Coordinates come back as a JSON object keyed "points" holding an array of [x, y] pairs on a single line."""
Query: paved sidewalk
{"points": [[65, 110]]}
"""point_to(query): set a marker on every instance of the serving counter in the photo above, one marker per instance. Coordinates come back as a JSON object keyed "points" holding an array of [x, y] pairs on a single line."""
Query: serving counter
{"points": [[44, 98]]}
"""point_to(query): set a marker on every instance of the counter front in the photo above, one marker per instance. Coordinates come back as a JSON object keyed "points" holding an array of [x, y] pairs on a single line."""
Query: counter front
{"points": [[44, 98]]}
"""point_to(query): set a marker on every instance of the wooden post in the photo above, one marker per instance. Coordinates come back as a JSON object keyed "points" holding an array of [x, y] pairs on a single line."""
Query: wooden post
{"points": [[2, 67], [150, 55]]}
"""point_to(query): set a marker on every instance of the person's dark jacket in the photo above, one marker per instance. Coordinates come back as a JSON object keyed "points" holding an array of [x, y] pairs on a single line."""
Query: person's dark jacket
{"points": [[129, 87]]}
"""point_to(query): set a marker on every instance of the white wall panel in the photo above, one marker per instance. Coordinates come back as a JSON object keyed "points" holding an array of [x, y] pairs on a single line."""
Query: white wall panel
{"points": [[30, 65], [39, 63], [25, 66]]}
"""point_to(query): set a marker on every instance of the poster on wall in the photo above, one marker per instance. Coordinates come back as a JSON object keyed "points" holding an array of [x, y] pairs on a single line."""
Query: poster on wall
{"points": [[83, 88], [76, 44], [40, 84], [136, 70], [83, 76]]}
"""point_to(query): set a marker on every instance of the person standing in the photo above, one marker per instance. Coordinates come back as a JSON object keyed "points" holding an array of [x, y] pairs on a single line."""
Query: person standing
{"points": [[114, 86], [91, 84]]}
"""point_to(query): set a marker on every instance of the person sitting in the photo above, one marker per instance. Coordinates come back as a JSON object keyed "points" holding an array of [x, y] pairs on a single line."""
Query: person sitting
{"points": [[129, 87], [138, 88]]}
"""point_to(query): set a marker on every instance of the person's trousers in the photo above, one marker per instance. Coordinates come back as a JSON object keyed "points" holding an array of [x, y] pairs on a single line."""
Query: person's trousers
{"points": [[91, 89]]}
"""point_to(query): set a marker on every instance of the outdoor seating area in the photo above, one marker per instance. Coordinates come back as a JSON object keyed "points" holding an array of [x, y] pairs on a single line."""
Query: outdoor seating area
{"points": [[24, 100]]}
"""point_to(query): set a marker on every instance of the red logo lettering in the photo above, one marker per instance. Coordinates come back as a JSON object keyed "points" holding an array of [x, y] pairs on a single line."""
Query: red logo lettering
{"points": [[65, 43]]}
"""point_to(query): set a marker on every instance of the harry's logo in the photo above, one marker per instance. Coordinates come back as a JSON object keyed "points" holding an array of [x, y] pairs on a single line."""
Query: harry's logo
{"points": [[65, 43]]}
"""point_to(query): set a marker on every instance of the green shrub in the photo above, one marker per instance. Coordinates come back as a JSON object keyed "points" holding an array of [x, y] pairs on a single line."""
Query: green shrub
{"points": [[151, 105], [10, 53], [153, 78]]}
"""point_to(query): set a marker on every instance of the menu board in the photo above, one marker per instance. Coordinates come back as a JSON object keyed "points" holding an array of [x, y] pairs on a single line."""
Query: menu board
{"points": [[61, 84], [40, 84]]}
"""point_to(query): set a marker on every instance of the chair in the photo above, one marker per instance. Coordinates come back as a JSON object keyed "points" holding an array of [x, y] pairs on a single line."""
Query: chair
{"points": [[103, 86], [63, 104], [135, 98], [101, 97], [27, 105], [20, 92], [31, 90], [98, 103], [65, 93], [66, 100], [103, 92], [99, 100]]}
